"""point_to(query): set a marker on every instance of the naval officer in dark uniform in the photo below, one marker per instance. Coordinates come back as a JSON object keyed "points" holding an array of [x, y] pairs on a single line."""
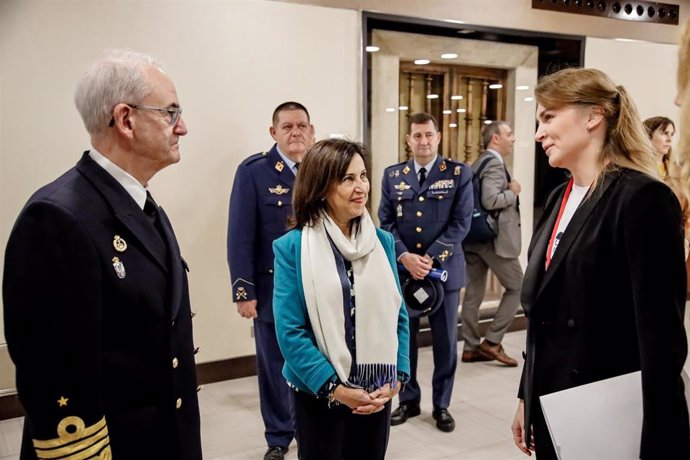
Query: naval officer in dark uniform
{"points": [[97, 314], [260, 205], [426, 204]]}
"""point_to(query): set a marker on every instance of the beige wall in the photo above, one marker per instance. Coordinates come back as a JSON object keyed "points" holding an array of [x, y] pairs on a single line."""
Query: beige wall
{"points": [[233, 61], [514, 14], [647, 70]]}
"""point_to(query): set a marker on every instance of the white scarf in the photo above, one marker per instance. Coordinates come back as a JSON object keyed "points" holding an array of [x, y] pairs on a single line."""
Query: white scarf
{"points": [[377, 298]]}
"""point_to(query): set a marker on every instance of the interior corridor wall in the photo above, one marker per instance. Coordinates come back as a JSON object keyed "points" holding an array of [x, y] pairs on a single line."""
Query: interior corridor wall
{"points": [[646, 70], [233, 62]]}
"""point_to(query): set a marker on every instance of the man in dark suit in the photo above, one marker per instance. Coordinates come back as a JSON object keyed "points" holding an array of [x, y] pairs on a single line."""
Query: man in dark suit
{"points": [[427, 205], [260, 205], [97, 314], [500, 196]]}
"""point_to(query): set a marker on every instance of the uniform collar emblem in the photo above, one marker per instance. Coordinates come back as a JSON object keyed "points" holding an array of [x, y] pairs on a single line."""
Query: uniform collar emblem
{"points": [[442, 167], [279, 166]]}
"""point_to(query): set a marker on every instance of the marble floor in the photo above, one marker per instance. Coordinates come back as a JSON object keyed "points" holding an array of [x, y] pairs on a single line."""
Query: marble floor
{"points": [[483, 405]]}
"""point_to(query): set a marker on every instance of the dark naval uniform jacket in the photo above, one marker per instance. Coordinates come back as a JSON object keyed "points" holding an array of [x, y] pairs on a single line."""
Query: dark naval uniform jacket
{"points": [[260, 205], [432, 219], [98, 324]]}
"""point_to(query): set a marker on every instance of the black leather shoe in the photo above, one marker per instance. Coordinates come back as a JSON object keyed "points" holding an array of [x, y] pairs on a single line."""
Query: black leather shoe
{"points": [[275, 453], [403, 412], [444, 421]]}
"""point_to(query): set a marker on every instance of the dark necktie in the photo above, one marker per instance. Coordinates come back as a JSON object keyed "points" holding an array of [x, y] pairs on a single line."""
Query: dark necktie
{"points": [[422, 176], [151, 211], [151, 208]]}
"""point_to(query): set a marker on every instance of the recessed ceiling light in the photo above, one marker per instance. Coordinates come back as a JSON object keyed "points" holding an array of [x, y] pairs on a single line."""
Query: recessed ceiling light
{"points": [[487, 122], [521, 87], [390, 109], [456, 98], [449, 55], [453, 125], [432, 96], [496, 86], [421, 61], [529, 99], [461, 110], [629, 40], [403, 107], [447, 112], [372, 49]]}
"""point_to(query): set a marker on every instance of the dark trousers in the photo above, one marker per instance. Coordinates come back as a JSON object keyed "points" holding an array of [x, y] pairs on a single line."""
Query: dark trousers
{"points": [[444, 336], [336, 433], [274, 393]]}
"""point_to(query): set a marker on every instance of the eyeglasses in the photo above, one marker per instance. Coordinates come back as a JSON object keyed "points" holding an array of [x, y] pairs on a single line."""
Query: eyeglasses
{"points": [[174, 113]]}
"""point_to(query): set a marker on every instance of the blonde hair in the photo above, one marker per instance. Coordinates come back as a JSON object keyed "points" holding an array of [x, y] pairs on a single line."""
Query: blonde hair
{"points": [[626, 144]]}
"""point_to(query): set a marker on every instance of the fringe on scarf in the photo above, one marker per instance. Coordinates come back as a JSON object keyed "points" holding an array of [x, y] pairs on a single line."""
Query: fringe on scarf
{"points": [[373, 376]]}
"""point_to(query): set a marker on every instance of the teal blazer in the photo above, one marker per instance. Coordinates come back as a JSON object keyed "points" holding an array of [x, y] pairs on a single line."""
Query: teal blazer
{"points": [[306, 368]]}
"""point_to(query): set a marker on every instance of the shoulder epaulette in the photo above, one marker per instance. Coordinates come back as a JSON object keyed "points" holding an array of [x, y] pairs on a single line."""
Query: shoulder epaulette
{"points": [[397, 164], [255, 157]]}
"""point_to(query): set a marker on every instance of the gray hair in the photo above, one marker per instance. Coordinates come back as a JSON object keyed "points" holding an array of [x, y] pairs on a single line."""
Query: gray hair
{"points": [[115, 78], [489, 130]]}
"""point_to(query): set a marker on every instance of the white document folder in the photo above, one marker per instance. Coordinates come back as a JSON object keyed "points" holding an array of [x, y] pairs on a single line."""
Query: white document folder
{"points": [[600, 420]]}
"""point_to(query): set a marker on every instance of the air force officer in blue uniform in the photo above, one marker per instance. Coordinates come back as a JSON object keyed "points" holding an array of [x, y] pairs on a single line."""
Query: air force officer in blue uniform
{"points": [[260, 204], [426, 204]]}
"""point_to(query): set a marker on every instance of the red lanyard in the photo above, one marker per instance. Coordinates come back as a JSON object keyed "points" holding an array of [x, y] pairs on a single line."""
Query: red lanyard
{"points": [[549, 250]]}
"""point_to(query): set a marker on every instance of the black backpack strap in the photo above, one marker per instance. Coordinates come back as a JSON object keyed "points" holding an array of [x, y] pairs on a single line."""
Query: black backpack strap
{"points": [[494, 213], [482, 165]]}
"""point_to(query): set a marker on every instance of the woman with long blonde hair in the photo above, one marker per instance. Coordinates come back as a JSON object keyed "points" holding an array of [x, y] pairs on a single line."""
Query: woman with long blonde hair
{"points": [[602, 301]]}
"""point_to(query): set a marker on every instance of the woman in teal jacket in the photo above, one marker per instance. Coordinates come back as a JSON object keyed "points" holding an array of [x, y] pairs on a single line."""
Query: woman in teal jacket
{"points": [[340, 320]]}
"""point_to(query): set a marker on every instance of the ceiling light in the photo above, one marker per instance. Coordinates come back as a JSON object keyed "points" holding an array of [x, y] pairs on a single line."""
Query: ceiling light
{"points": [[456, 98], [529, 99], [447, 112], [421, 61], [461, 110], [449, 55], [487, 122], [453, 125], [496, 86], [390, 109], [432, 96], [521, 87], [403, 107], [372, 49], [455, 21]]}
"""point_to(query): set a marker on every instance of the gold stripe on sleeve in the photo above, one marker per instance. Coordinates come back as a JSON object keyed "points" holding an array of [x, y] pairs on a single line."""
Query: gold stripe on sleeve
{"points": [[75, 441]]}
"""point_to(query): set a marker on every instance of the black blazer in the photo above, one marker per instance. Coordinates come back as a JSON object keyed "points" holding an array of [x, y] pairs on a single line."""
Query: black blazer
{"points": [[97, 329], [612, 302]]}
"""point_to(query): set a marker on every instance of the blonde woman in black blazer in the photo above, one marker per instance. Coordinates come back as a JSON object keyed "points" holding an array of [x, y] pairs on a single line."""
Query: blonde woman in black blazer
{"points": [[604, 289]]}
